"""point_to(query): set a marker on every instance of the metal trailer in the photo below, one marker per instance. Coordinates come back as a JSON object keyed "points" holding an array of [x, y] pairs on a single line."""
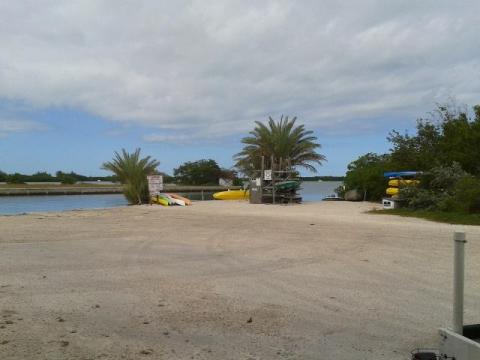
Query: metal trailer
{"points": [[461, 342]]}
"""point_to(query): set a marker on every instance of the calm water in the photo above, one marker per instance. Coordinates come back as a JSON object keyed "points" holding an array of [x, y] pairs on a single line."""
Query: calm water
{"points": [[311, 191], [316, 191], [27, 204]]}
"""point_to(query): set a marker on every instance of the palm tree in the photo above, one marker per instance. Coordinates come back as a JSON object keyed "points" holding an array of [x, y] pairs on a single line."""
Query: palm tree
{"points": [[282, 140], [132, 172]]}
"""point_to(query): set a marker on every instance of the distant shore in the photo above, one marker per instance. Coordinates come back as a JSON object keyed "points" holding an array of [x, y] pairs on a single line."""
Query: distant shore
{"points": [[88, 189]]}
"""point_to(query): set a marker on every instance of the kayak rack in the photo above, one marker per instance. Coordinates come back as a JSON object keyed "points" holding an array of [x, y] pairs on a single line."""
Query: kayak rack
{"points": [[276, 182]]}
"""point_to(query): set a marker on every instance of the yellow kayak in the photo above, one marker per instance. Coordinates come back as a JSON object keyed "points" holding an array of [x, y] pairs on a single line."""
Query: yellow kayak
{"points": [[392, 191], [232, 195], [181, 198], [398, 182], [159, 200]]}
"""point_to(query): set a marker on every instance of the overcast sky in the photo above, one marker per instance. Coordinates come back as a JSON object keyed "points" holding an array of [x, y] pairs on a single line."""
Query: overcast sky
{"points": [[186, 79]]}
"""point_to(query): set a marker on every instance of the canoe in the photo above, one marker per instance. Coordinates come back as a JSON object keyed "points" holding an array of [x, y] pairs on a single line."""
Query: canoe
{"points": [[165, 199], [160, 200], [232, 195], [287, 185], [398, 182], [392, 191], [179, 197], [178, 202], [170, 200]]}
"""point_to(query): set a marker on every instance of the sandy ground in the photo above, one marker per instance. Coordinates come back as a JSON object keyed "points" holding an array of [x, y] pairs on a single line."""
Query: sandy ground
{"points": [[227, 280]]}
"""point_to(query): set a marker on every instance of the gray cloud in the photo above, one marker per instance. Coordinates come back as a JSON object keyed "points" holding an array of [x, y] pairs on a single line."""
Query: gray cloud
{"points": [[197, 69]]}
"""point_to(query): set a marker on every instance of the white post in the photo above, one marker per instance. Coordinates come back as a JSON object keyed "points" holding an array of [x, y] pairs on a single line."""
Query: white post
{"points": [[458, 281]]}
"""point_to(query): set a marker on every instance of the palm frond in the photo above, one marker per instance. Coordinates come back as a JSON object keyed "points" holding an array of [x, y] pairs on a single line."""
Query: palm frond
{"points": [[132, 172], [281, 139]]}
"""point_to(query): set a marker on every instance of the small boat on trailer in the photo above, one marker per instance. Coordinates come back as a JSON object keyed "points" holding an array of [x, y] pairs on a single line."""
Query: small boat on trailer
{"points": [[333, 197]]}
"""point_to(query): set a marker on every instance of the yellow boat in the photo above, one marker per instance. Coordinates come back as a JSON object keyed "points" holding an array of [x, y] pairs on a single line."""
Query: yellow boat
{"points": [[232, 195], [160, 200], [392, 191], [398, 182]]}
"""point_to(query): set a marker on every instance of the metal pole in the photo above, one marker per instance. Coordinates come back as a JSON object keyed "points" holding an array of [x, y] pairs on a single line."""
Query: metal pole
{"points": [[458, 281], [273, 179], [202, 196], [262, 177]]}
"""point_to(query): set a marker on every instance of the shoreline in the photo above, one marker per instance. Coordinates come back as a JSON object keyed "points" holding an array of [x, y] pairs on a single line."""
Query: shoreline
{"points": [[36, 190]]}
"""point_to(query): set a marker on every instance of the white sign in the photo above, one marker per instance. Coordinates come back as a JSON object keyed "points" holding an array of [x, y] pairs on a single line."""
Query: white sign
{"points": [[155, 184], [258, 181], [225, 182], [267, 175]]}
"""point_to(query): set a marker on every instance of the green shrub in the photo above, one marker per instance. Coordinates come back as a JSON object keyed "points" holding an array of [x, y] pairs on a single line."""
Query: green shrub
{"points": [[467, 195], [444, 188], [16, 178], [420, 199], [68, 180], [442, 178], [366, 175], [132, 171]]}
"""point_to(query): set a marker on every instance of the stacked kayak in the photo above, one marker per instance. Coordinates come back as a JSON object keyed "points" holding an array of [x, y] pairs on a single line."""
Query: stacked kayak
{"points": [[232, 195], [291, 185], [400, 179], [402, 182], [392, 191], [170, 200]]}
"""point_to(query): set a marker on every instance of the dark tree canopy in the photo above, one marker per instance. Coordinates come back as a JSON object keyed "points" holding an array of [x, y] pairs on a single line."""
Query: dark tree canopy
{"points": [[201, 172], [366, 175], [451, 136]]}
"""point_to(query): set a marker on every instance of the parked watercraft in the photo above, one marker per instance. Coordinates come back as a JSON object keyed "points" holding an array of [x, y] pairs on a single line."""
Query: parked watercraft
{"points": [[392, 191], [160, 200], [170, 199], [401, 182], [232, 195], [181, 198], [287, 185], [333, 197]]}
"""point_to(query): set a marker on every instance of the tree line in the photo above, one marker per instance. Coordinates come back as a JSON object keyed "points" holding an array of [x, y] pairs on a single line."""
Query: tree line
{"points": [[60, 176], [445, 148], [201, 172]]}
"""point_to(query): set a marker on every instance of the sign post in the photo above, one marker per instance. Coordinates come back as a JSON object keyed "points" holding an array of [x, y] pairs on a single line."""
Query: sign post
{"points": [[267, 175], [155, 185]]}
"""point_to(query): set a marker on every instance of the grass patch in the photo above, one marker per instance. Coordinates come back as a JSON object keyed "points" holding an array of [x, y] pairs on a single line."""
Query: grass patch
{"points": [[438, 216]]}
